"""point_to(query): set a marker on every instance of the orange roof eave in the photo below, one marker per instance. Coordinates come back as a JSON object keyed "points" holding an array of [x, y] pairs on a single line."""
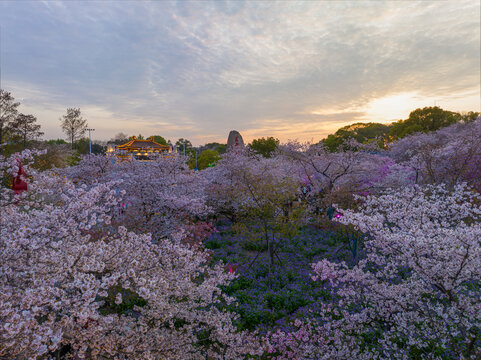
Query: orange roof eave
{"points": [[129, 145]]}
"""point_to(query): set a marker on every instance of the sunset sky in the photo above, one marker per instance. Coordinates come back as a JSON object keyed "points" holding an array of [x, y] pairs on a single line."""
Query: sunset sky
{"points": [[293, 70]]}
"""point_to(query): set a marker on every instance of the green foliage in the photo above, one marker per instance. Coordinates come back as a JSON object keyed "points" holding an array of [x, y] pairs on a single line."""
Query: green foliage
{"points": [[252, 245], [8, 113], [350, 237], [279, 300], [206, 158], [212, 245], [57, 156], [220, 148], [268, 296], [82, 147], [470, 116], [264, 146], [11, 148], [56, 142], [424, 120], [24, 129], [183, 143], [73, 160], [159, 139], [420, 120], [361, 132], [270, 216]]}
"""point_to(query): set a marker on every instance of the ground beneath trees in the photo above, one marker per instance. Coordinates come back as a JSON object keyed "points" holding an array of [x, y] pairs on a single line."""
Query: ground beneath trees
{"points": [[272, 296]]}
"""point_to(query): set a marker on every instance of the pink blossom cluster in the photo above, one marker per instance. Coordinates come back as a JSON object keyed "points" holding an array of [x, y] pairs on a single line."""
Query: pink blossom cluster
{"points": [[82, 272], [161, 194], [304, 342], [417, 288], [73, 281]]}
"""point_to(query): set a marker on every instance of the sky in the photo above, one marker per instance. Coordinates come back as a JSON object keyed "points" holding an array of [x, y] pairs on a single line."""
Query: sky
{"points": [[288, 69]]}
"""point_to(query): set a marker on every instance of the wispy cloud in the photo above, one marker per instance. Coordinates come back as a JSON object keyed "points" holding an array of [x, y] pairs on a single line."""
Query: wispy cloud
{"points": [[199, 69]]}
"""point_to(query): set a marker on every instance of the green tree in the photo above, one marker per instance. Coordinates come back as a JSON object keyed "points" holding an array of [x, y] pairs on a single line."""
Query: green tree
{"points": [[159, 139], [206, 158], [58, 154], [56, 142], [25, 128], [82, 147], [264, 146], [220, 148], [8, 112], [424, 120], [267, 206], [179, 145], [470, 116], [361, 132], [73, 124]]}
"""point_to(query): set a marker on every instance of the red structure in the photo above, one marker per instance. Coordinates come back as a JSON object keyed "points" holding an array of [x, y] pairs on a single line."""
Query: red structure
{"points": [[18, 185]]}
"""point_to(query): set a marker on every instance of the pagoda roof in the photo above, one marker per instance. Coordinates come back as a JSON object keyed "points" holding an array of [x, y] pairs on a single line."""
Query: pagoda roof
{"points": [[142, 144]]}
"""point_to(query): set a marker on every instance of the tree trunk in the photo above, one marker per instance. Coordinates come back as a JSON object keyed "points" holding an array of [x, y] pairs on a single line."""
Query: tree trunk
{"points": [[270, 246]]}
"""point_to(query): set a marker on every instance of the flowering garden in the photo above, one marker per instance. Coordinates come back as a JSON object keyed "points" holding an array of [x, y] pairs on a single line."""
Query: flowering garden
{"points": [[363, 253]]}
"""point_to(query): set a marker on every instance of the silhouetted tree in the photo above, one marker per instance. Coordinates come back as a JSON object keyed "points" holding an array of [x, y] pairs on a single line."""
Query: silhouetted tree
{"points": [[361, 132], [8, 112], [424, 120], [179, 145], [73, 124], [24, 127], [220, 148], [119, 139]]}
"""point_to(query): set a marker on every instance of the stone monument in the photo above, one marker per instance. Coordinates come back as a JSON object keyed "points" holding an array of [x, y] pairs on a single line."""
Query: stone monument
{"points": [[235, 140]]}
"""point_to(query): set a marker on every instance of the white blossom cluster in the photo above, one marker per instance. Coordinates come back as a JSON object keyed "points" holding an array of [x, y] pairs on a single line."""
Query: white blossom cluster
{"points": [[72, 281], [418, 288]]}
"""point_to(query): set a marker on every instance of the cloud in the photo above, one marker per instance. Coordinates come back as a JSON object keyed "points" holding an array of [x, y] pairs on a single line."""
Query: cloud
{"points": [[199, 69]]}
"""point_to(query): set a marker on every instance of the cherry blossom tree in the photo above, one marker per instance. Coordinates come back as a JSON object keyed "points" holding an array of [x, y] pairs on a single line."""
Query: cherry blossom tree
{"points": [[259, 191], [449, 155], [333, 177], [74, 284], [159, 194], [8, 113], [416, 294]]}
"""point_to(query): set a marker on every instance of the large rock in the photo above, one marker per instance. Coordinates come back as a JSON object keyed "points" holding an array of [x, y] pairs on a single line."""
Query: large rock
{"points": [[235, 140]]}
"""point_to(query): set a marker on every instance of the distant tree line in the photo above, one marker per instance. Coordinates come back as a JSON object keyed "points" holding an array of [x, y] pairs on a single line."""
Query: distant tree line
{"points": [[19, 131], [420, 120]]}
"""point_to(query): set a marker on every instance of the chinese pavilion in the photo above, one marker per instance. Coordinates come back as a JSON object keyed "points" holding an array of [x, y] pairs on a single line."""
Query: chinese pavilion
{"points": [[140, 149]]}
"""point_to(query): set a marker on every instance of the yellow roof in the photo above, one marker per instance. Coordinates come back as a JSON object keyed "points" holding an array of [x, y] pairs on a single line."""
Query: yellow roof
{"points": [[136, 144]]}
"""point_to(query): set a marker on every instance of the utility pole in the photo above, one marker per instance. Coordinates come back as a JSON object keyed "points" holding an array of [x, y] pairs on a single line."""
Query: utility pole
{"points": [[196, 159], [90, 140]]}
